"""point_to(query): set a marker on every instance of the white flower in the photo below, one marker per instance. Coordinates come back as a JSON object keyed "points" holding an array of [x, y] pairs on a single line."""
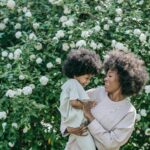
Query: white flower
{"points": [[138, 117], [19, 10], [147, 131], [72, 45], [44, 80], [142, 37], [11, 56], [11, 4], [119, 11], [24, 9], [106, 27], [93, 45], [85, 34], [32, 86], [56, 2], [27, 90], [18, 26], [68, 23], [143, 112], [110, 22], [38, 46], [3, 115], [4, 53], [81, 43], [141, 2], [60, 34], [25, 130], [120, 1], [113, 43], [11, 144], [118, 19], [39, 60], [98, 8], [18, 34], [46, 125], [32, 57], [49, 65], [55, 40], [10, 93], [100, 45], [6, 20], [32, 36], [97, 28], [15, 125], [8, 66], [127, 31], [63, 19], [120, 46], [18, 91], [58, 60], [137, 131], [20, 18], [65, 46], [4, 124], [147, 89], [17, 53], [28, 14], [36, 25], [137, 31], [66, 10], [21, 77], [2, 26]]}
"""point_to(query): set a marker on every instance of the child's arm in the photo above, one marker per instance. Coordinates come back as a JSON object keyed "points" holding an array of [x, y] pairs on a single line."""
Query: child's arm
{"points": [[80, 104], [76, 104]]}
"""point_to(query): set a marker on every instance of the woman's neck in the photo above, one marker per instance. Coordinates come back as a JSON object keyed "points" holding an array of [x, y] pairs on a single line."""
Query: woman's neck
{"points": [[116, 96]]}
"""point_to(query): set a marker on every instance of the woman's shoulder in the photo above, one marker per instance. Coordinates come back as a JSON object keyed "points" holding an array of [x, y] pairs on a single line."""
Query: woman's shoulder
{"points": [[131, 106], [96, 93], [96, 89]]}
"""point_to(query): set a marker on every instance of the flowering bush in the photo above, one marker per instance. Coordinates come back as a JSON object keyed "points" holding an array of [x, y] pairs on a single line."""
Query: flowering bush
{"points": [[35, 37]]}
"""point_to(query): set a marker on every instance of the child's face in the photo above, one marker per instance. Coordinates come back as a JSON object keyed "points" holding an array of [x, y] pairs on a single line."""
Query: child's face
{"points": [[84, 79]]}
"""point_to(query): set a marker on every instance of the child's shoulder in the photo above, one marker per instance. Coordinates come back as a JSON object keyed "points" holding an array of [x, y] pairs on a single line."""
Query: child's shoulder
{"points": [[70, 83]]}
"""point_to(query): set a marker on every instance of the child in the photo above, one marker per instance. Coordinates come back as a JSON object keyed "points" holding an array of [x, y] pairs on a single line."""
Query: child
{"points": [[79, 67]]}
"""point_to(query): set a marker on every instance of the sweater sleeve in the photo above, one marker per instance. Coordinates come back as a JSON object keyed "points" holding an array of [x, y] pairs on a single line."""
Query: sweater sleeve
{"points": [[116, 137]]}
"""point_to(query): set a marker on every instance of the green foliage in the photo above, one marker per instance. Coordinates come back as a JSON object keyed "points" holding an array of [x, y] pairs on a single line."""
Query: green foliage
{"points": [[35, 37]]}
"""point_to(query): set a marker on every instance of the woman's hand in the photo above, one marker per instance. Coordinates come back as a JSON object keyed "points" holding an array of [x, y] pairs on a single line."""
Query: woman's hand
{"points": [[80, 131], [87, 111]]}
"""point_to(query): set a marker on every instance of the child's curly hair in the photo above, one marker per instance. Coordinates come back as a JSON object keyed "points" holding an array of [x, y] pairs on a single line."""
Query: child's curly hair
{"points": [[131, 70], [80, 62]]}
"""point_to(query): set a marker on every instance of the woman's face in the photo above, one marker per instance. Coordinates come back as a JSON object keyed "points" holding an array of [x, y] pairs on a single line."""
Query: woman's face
{"points": [[112, 81]]}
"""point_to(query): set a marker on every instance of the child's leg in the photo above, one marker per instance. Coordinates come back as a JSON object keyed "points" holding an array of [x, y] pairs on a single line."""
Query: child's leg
{"points": [[86, 142]]}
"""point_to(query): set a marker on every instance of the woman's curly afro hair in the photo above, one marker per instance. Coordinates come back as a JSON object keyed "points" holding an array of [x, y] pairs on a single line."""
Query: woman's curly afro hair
{"points": [[131, 70], [80, 62]]}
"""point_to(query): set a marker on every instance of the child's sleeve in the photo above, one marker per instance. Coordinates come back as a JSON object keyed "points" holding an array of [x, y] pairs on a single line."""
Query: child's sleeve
{"points": [[73, 91], [69, 92]]}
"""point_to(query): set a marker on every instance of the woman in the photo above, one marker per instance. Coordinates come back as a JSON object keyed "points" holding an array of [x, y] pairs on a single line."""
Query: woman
{"points": [[112, 121]]}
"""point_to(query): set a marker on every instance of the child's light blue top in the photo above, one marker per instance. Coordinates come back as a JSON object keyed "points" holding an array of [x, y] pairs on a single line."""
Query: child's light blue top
{"points": [[72, 90]]}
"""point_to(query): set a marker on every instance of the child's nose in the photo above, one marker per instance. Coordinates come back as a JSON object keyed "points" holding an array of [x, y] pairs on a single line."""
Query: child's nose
{"points": [[106, 78]]}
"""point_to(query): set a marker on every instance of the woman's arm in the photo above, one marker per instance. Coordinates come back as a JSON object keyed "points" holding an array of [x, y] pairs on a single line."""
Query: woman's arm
{"points": [[114, 138]]}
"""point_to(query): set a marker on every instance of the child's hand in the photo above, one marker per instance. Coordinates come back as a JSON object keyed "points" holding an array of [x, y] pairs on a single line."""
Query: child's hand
{"points": [[91, 104]]}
